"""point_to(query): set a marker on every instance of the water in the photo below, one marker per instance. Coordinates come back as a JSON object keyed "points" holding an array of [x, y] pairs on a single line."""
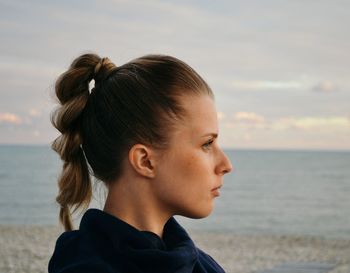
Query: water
{"points": [[285, 192], [270, 192]]}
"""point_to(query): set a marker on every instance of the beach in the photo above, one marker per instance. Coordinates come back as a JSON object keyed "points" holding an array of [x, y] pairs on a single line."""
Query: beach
{"points": [[27, 249]]}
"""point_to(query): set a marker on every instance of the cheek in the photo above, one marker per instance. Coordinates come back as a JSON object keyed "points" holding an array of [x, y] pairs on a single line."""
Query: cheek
{"points": [[182, 162], [177, 176], [186, 187], [188, 167], [188, 174]]}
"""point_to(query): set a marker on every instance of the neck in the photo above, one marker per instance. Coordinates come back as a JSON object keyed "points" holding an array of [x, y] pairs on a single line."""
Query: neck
{"points": [[132, 201]]}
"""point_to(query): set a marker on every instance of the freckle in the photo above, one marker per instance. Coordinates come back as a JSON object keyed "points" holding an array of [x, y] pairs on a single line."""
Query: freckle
{"points": [[191, 161]]}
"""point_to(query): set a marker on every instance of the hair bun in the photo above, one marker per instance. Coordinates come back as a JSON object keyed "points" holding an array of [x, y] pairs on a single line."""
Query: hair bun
{"points": [[103, 68]]}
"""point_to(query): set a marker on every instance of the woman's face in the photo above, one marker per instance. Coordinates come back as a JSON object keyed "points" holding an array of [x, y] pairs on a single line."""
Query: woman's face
{"points": [[194, 164]]}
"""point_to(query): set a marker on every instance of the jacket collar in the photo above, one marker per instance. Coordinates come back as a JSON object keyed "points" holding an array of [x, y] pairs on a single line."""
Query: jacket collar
{"points": [[143, 249]]}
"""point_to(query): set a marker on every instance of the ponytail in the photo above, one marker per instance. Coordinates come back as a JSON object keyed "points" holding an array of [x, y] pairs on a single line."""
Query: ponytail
{"points": [[72, 91]]}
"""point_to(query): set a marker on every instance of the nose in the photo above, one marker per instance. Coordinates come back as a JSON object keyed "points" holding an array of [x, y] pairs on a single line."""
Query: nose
{"points": [[225, 165]]}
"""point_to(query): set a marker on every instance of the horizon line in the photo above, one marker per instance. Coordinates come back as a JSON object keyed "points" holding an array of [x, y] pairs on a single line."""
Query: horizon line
{"points": [[277, 149]]}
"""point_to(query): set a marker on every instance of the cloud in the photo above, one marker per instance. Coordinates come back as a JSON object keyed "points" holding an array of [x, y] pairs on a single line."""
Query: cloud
{"points": [[305, 132], [249, 117], [10, 118], [221, 115], [34, 112], [325, 87], [26, 73], [312, 123], [252, 120], [257, 85], [242, 119]]}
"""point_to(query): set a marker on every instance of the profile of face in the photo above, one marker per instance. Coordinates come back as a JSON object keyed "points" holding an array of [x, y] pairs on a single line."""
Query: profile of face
{"points": [[193, 164]]}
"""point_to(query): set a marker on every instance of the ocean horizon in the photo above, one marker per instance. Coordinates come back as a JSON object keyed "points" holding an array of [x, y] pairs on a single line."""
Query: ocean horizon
{"points": [[284, 192]]}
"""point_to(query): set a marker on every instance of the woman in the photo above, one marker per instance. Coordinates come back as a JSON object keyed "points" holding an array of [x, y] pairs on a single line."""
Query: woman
{"points": [[148, 130]]}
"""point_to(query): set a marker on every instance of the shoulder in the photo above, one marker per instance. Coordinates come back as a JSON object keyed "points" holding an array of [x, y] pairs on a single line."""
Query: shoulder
{"points": [[74, 254], [208, 262], [67, 247], [87, 267]]}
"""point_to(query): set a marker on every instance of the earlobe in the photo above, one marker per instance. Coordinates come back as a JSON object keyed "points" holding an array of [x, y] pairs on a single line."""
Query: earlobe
{"points": [[141, 159]]}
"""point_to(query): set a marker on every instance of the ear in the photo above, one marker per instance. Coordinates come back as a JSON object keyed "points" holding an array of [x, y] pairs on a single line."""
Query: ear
{"points": [[142, 160]]}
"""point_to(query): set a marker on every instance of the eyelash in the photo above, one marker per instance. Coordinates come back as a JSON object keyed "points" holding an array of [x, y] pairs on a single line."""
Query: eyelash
{"points": [[208, 144]]}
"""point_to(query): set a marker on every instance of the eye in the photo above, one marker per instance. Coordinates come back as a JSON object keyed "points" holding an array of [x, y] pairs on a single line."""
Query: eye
{"points": [[208, 144]]}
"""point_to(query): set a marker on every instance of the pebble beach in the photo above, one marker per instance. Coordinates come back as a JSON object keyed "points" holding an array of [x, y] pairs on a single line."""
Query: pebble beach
{"points": [[27, 249]]}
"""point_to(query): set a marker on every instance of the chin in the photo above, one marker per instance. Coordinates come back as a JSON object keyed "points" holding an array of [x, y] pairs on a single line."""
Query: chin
{"points": [[198, 214]]}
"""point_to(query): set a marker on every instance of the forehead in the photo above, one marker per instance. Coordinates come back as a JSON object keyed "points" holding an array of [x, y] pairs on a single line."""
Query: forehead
{"points": [[200, 116]]}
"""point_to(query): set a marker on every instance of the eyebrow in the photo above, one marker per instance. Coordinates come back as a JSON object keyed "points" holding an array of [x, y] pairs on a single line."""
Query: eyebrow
{"points": [[214, 135]]}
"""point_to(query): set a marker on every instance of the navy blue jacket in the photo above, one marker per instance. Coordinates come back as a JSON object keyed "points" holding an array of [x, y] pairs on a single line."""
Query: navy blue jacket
{"points": [[106, 244]]}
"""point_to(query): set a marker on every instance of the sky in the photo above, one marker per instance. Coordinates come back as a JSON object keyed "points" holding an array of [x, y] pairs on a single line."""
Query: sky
{"points": [[279, 69]]}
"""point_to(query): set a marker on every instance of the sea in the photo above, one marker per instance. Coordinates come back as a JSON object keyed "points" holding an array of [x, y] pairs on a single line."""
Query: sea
{"points": [[272, 192]]}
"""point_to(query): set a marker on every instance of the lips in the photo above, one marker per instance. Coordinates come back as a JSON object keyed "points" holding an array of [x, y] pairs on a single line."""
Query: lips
{"points": [[216, 188]]}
